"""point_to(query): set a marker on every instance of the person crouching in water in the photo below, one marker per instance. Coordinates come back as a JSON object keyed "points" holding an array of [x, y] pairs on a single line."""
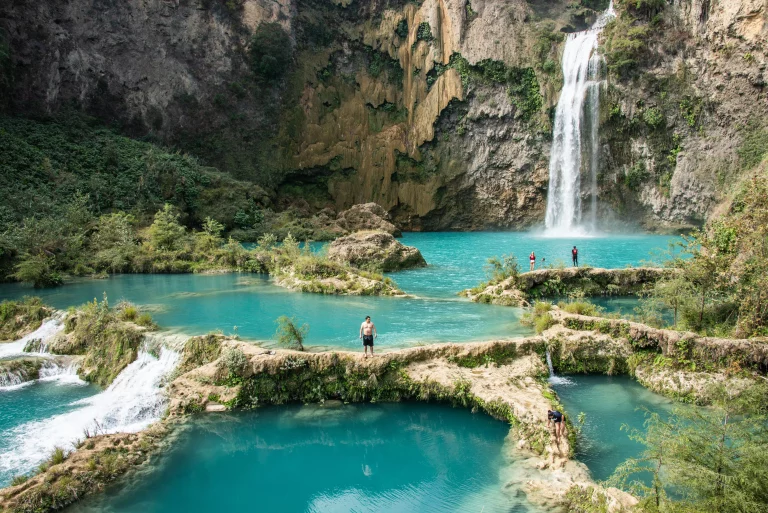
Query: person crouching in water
{"points": [[368, 333], [559, 419], [532, 258]]}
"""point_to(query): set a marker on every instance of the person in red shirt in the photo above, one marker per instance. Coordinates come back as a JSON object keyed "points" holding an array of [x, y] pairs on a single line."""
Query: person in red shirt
{"points": [[532, 258], [575, 255]]}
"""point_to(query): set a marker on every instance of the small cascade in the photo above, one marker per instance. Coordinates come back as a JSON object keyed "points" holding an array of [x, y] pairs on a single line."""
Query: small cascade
{"points": [[554, 379], [37, 340], [63, 370], [11, 380], [575, 133], [133, 401]]}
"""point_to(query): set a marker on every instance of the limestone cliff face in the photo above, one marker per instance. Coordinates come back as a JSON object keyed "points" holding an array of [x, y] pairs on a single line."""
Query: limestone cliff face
{"points": [[677, 135], [438, 110], [168, 69]]}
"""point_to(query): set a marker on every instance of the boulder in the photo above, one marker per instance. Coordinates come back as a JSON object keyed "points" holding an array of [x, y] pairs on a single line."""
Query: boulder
{"points": [[375, 250], [366, 216]]}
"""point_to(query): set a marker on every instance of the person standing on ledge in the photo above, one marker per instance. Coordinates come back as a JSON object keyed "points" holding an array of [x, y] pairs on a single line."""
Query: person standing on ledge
{"points": [[532, 258], [575, 255], [558, 418], [368, 333]]}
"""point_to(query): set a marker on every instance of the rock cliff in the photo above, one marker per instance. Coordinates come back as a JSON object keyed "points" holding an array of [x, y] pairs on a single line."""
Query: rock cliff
{"points": [[437, 110]]}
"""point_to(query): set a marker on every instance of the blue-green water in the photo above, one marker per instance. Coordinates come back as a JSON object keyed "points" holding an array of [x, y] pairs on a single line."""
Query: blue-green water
{"points": [[197, 304], [38, 400], [457, 259], [391, 457], [608, 402]]}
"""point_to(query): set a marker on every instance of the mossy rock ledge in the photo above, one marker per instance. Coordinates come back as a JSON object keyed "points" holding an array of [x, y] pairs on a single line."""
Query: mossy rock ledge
{"points": [[591, 281], [681, 365], [375, 251]]}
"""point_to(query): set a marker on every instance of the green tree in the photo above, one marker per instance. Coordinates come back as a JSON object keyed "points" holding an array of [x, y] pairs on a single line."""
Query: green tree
{"points": [[166, 232], [114, 242], [289, 334], [210, 237], [713, 459], [500, 268], [38, 269], [270, 52], [674, 294]]}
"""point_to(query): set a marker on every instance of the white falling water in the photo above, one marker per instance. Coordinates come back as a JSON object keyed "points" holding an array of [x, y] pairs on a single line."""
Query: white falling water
{"points": [[44, 333], [554, 379], [575, 133], [133, 401]]}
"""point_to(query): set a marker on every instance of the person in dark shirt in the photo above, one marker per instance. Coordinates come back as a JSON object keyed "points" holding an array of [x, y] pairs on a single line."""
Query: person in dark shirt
{"points": [[559, 419], [575, 256]]}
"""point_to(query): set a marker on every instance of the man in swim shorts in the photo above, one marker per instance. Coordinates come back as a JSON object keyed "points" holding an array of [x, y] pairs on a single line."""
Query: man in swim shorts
{"points": [[368, 333], [558, 418]]}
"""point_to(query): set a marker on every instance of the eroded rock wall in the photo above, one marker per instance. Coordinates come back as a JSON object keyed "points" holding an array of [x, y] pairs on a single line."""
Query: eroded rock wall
{"points": [[439, 111]]}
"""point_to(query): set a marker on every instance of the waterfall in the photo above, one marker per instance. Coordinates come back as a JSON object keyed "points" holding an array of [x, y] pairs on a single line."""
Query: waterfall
{"points": [[38, 338], [575, 132], [133, 401], [554, 379], [549, 364]]}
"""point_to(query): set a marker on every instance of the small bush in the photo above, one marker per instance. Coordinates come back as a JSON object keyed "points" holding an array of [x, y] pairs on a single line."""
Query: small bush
{"points": [[653, 117], [289, 334], [754, 147], [424, 32], [17, 480], [543, 323], [128, 312], [145, 320], [581, 308], [234, 360]]}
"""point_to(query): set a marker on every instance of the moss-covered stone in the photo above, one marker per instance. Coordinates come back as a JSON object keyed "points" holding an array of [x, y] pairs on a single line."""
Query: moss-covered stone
{"points": [[108, 343], [521, 289]]}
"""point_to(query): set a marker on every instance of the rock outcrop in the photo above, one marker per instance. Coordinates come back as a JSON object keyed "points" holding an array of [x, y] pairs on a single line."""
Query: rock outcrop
{"points": [[519, 290], [375, 251], [367, 216]]}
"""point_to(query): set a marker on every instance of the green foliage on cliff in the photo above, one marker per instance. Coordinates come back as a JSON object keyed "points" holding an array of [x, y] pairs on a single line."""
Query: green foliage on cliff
{"points": [[754, 146], [270, 52], [6, 70], [627, 37], [44, 164], [699, 459], [524, 92], [424, 32], [523, 87], [722, 285]]}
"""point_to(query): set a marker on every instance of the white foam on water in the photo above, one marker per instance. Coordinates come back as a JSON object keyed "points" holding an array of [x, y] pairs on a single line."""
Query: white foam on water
{"points": [[63, 374], [47, 329], [132, 402], [575, 132], [554, 379]]}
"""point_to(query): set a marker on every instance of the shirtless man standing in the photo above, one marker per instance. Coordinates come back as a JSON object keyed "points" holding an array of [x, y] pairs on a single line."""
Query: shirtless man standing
{"points": [[368, 333]]}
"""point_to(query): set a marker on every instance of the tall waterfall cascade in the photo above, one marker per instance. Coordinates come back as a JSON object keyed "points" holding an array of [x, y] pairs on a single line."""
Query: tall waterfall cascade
{"points": [[575, 136]]}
